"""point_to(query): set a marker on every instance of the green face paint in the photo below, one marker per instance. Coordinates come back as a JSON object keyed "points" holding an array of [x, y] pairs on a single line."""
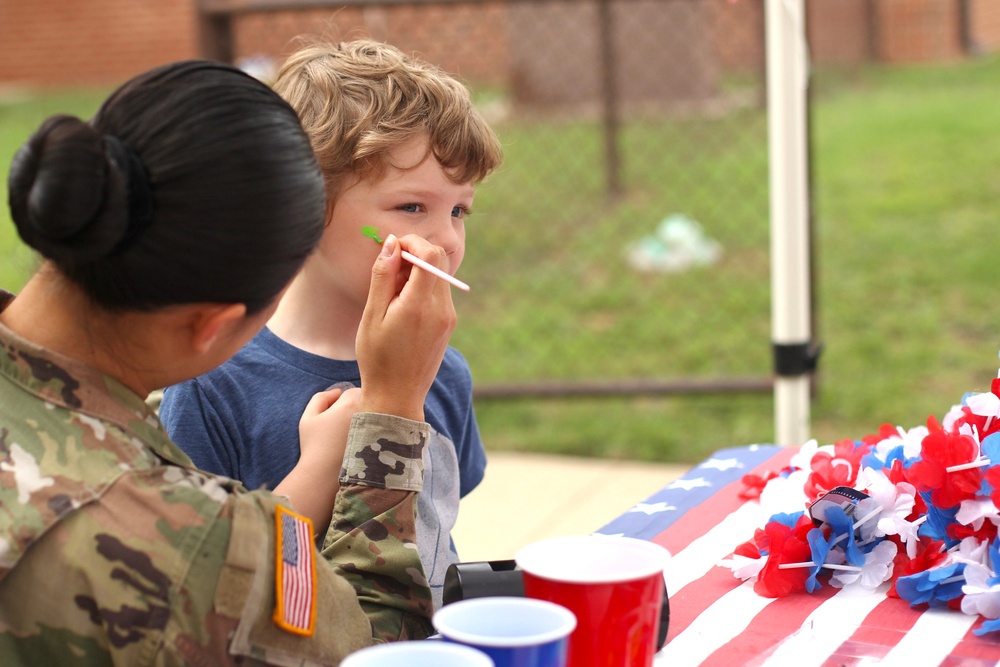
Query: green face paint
{"points": [[371, 233]]}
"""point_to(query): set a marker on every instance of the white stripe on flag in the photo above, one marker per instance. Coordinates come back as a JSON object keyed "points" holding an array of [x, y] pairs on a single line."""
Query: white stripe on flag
{"points": [[825, 629], [727, 617], [705, 552], [932, 638]]}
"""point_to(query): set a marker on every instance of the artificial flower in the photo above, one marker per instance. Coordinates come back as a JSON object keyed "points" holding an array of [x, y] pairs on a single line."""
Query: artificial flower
{"points": [[895, 443], [928, 554], [981, 531], [937, 522], [990, 488], [940, 451], [976, 518], [982, 590], [992, 477], [754, 484], [802, 459], [785, 493], [832, 469], [820, 542], [935, 587], [971, 550], [842, 532], [981, 411], [886, 433], [895, 502], [876, 569], [744, 567], [747, 560], [787, 545]]}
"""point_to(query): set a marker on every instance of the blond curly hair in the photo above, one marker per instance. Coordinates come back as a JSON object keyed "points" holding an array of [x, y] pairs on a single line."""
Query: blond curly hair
{"points": [[359, 100]]}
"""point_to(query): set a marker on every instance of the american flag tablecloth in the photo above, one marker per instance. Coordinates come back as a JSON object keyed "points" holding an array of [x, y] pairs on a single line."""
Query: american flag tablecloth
{"points": [[715, 619]]}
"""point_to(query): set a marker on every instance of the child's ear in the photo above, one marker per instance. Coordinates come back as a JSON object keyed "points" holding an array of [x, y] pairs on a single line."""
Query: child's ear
{"points": [[209, 320]]}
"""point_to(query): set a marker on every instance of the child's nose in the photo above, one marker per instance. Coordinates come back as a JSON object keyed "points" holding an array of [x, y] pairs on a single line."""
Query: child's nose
{"points": [[446, 235]]}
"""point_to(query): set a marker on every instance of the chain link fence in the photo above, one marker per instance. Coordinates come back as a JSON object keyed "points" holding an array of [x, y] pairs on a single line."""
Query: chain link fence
{"points": [[619, 259]]}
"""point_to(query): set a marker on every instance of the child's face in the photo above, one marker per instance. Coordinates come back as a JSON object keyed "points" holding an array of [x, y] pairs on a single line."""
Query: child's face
{"points": [[414, 196]]}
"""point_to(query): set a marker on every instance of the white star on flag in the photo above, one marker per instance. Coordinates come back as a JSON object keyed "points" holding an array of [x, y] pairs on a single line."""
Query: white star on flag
{"points": [[688, 484], [721, 464], [652, 508]]}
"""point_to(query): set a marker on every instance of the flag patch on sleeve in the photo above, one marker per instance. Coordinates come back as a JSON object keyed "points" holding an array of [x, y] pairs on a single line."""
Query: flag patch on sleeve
{"points": [[295, 573]]}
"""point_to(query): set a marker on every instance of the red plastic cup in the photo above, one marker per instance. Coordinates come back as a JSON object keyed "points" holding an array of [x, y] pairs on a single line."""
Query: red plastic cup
{"points": [[614, 586]]}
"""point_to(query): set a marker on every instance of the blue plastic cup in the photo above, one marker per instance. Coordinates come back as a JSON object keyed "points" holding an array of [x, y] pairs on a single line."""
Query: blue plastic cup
{"points": [[513, 631], [418, 654]]}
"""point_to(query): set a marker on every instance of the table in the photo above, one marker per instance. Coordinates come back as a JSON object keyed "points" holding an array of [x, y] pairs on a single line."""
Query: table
{"points": [[716, 619]]}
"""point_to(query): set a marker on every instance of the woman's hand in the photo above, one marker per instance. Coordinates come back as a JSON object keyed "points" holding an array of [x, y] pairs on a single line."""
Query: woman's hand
{"points": [[404, 330]]}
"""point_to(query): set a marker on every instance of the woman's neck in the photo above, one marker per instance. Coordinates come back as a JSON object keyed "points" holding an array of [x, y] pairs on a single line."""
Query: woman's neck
{"points": [[53, 313]]}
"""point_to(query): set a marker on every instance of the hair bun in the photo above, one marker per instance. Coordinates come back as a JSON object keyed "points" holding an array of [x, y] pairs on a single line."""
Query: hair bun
{"points": [[67, 195]]}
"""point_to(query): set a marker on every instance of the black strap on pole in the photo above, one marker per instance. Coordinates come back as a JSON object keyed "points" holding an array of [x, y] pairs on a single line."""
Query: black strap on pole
{"points": [[795, 359]]}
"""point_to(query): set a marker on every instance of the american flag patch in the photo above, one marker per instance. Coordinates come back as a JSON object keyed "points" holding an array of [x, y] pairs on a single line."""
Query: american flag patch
{"points": [[295, 573]]}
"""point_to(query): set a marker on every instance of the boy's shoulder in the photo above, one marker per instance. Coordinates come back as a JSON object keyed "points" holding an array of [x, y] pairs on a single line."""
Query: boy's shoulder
{"points": [[259, 351], [237, 374], [455, 369], [453, 357]]}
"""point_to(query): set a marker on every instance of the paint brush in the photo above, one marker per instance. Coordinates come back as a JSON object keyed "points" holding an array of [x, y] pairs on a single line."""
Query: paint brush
{"points": [[372, 233]]}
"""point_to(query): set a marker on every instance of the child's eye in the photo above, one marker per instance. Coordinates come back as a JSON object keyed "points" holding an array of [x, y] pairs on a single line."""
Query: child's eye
{"points": [[460, 212], [410, 208]]}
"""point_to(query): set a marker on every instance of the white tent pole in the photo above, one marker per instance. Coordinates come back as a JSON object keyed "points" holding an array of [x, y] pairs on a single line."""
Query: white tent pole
{"points": [[787, 80]]}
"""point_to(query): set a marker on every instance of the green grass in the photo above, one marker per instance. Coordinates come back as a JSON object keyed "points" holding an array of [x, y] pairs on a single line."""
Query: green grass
{"points": [[907, 199]]}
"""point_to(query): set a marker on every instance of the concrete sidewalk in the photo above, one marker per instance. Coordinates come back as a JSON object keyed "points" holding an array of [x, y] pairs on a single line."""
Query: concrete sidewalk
{"points": [[528, 497]]}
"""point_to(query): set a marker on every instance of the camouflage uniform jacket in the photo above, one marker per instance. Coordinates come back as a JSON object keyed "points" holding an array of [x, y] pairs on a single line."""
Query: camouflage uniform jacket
{"points": [[114, 549]]}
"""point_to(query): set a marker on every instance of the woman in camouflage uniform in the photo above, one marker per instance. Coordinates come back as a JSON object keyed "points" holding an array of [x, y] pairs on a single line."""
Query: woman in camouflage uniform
{"points": [[169, 226]]}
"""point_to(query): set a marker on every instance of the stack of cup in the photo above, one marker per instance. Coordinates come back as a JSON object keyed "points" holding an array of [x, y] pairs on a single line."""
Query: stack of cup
{"points": [[614, 587]]}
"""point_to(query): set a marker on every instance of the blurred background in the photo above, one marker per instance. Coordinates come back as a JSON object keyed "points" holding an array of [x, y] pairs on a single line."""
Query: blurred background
{"points": [[619, 260]]}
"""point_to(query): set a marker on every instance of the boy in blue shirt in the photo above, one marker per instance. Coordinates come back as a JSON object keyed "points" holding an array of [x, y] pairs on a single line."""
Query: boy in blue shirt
{"points": [[402, 149]]}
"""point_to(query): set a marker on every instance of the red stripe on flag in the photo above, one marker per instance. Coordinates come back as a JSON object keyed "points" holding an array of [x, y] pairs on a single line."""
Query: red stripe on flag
{"points": [[878, 633], [689, 602], [975, 651], [770, 626]]}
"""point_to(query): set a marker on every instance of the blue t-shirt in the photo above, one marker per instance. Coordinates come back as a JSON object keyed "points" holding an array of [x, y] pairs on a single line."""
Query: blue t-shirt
{"points": [[241, 420]]}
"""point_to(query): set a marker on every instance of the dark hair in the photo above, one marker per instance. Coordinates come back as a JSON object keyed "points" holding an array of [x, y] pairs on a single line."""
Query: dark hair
{"points": [[193, 183]]}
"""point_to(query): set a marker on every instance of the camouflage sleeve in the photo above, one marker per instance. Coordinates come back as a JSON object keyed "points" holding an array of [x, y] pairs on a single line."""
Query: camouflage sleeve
{"points": [[372, 538]]}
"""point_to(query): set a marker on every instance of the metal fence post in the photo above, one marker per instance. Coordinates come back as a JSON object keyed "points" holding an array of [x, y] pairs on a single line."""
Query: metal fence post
{"points": [[609, 98]]}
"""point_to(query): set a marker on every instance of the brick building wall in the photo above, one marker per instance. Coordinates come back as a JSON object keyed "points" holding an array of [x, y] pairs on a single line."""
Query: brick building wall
{"points": [[468, 40], [84, 42], [918, 30], [840, 32], [738, 35], [985, 32], [88, 42]]}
